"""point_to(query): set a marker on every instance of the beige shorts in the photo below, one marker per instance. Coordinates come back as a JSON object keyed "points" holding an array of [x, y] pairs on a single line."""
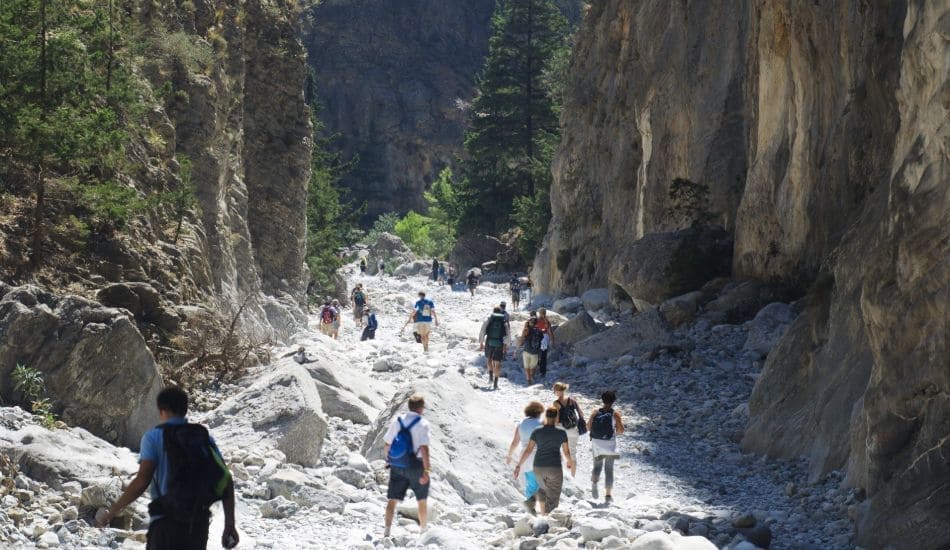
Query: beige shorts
{"points": [[326, 328], [530, 361], [423, 329]]}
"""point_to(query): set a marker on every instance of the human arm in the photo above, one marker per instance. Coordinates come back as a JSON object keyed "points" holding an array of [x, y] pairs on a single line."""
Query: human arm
{"points": [[424, 479], [515, 441], [619, 422], [481, 335], [571, 465], [529, 448], [230, 537], [132, 492], [435, 317]]}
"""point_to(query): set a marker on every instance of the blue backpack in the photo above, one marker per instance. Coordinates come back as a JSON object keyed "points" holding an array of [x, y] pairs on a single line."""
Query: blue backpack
{"points": [[401, 452]]}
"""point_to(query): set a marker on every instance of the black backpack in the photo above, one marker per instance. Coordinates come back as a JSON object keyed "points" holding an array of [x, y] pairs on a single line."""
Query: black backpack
{"points": [[602, 425], [496, 328], [568, 415], [197, 475], [532, 344]]}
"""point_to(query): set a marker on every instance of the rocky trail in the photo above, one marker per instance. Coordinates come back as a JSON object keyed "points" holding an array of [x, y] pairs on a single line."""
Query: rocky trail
{"points": [[304, 442]]}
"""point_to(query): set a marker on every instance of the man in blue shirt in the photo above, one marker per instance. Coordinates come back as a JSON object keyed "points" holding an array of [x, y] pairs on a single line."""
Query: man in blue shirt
{"points": [[424, 312], [164, 533]]}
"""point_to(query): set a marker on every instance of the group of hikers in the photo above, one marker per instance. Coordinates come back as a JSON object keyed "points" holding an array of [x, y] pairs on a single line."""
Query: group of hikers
{"points": [[331, 315], [547, 446], [535, 340]]}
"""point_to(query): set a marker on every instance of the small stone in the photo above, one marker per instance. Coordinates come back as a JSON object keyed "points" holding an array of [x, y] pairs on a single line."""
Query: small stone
{"points": [[541, 527], [278, 508], [50, 538], [759, 535], [529, 544], [745, 520], [790, 489], [70, 513], [523, 527]]}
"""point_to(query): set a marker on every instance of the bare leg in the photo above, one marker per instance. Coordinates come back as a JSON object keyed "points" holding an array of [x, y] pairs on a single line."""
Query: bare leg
{"points": [[390, 512], [423, 514]]}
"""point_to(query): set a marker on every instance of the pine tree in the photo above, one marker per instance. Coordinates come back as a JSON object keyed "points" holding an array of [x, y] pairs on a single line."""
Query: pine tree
{"points": [[513, 126]]}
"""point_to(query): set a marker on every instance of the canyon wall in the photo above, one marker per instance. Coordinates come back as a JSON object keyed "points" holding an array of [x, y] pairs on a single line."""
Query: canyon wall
{"points": [[820, 131]]}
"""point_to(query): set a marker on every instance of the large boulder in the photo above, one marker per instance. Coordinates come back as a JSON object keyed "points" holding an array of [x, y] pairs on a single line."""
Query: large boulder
{"points": [[411, 269], [282, 410], [98, 371], [768, 326], [141, 299], [662, 265], [596, 299], [646, 332], [681, 309], [581, 326], [739, 301], [390, 249], [58, 456], [453, 440], [570, 304], [475, 250]]}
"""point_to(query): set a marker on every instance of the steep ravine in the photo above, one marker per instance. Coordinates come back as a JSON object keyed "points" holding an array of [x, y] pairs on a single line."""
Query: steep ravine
{"points": [[820, 130]]}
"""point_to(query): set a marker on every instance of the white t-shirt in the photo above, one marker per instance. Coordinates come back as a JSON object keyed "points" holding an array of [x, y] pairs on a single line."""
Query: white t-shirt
{"points": [[420, 432]]}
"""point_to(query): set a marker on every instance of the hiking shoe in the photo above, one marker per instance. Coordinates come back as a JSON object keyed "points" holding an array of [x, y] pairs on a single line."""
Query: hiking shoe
{"points": [[495, 386], [529, 506], [608, 499], [593, 490]]}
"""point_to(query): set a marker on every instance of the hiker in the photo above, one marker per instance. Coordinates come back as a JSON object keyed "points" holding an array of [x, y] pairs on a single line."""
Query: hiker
{"points": [[362, 266], [548, 443], [177, 522], [531, 422], [407, 457], [604, 426], [450, 277], [472, 282], [515, 287], [424, 315], [369, 333], [337, 321], [327, 315], [441, 274], [544, 325], [527, 291], [504, 311], [435, 270], [493, 340], [530, 341], [382, 268], [358, 297], [570, 417]]}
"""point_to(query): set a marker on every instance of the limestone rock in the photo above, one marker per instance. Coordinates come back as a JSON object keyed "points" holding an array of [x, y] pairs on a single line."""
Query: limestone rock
{"points": [[443, 537], [278, 508], [390, 249], [768, 326], [282, 410], [658, 540], [646, 332], [581, 326], [141, 299], [596, 299], [681, 309], [739, 301], [411, 269], [595, 529], [662, 265], [477, 250], [343, 404], [571, 304], [61, 337]]}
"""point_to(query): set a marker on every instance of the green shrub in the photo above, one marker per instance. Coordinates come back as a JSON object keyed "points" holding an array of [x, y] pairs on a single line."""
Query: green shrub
{"points": [[30, 382]]}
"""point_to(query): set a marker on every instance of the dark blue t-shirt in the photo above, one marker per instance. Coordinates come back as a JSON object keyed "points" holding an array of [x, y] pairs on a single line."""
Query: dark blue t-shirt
{"points": [[421, 316]]}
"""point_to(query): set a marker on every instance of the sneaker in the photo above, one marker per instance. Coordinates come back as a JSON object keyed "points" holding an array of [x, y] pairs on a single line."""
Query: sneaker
{"points": [[495, 386], [593, 490], [608, 499]]}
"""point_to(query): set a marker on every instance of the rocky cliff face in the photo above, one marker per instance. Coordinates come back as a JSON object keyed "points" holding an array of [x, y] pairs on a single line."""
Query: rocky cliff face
{"points": [[656, 92], [395, 80], [229, 76], [821, 132]]}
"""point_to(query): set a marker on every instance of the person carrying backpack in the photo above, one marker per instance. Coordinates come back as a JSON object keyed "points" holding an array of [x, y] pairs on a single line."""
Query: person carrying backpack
{"points": [[424, 313], [493, 339], [527, 291], [407, 457], [184, 468], [570, 417], [515, 287], [328, 315], [358, 297], [604, 426], [369, 333], [472, 282], [435, 269], [362, 266], [337, 321], [544, 325], [530, 341]]}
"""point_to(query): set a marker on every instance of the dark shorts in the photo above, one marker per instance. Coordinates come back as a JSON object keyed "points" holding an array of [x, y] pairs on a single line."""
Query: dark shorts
{"points": [[494, 353], [167, 534], [403, 479]]}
